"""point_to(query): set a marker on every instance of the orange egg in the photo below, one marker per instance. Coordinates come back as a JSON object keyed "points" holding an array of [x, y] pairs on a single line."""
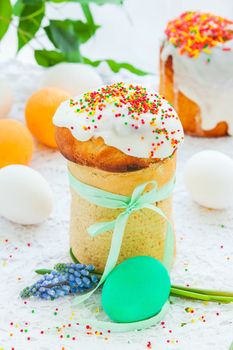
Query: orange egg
{"points": [[39, 112], [16, 143]]}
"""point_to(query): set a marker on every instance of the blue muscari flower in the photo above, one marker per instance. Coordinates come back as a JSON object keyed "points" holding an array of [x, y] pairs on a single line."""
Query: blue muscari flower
{"points": [[65, 279]]}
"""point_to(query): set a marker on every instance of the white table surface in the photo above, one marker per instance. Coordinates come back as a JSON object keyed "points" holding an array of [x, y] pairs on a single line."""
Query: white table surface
{"points": [[204, 259]]}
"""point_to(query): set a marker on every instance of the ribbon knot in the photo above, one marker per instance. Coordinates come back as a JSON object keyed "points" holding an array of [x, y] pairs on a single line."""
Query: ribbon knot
{"points": [[131, 208], [140, 198]]}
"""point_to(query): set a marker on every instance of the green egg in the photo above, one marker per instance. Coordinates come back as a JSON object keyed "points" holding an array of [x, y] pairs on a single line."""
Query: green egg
{"points": [[136, 289]]}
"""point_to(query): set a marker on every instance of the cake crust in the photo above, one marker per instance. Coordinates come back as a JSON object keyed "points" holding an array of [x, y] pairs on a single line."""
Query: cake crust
{"points": [[188, 111], [95, 153]]}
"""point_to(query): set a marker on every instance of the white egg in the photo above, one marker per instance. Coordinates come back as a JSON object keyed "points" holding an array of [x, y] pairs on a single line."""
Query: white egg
{"points": [[25, 196], [209, 179], [6, 98], [75, 78]]}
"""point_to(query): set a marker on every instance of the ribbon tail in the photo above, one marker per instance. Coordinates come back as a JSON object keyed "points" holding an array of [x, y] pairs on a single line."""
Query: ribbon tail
{"points": [[132, 326], [169, 249], [100, 227], [116, 243], [113, 255], [169, 238]]}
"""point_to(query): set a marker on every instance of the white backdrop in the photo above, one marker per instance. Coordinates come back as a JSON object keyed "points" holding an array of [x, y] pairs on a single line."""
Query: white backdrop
{"points": [[129, 33]]}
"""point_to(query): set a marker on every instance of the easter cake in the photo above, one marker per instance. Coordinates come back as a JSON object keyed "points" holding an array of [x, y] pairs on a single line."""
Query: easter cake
{"points": [[115, 139], [196, 72]]}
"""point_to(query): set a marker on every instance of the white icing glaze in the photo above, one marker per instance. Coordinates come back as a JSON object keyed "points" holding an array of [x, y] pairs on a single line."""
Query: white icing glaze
{"points": [[209, 84], [137, 134]]}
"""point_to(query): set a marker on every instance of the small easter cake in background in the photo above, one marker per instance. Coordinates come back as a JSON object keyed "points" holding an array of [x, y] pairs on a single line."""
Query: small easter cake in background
{"points": [[117, 138], [196, 72]]}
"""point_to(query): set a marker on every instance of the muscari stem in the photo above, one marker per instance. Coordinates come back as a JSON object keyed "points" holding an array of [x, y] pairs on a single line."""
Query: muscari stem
{"points": [[75, 260], [43, 271], [88, 14], [205, 291], [200, 296]]}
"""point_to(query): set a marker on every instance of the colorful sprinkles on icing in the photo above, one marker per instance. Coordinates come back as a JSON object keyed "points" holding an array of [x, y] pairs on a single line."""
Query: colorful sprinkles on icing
{"points": [[195, 32], [135, 98], [128, 117]]}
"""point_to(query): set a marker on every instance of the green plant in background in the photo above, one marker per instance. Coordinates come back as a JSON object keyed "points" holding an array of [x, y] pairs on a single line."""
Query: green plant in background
{"points": [[66, 36]]}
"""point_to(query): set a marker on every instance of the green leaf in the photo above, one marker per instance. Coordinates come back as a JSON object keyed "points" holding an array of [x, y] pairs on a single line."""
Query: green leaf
{"points": [[67, 36], [97, 2], [48, 58], [30, 20], [18, 7], [116, 66], [43, 271], [20, 4], [92, 63], [5, 16], [102, 2], [64, 38]]}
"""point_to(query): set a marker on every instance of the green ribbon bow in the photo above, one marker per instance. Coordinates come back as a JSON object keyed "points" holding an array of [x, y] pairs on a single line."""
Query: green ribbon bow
{"points": [[139, 200]]}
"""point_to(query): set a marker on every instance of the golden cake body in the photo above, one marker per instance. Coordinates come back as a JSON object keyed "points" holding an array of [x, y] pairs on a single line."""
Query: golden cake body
{"points": [[196, 72], [118, 163], [145, 230]]}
